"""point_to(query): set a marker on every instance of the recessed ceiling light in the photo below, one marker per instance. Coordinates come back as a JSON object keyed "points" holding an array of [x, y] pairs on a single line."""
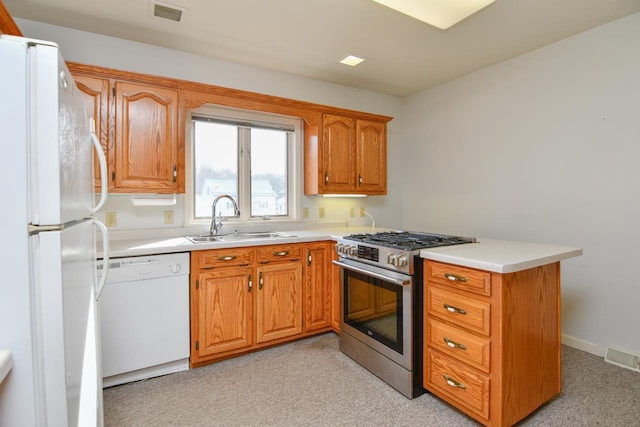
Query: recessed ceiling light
{"points": [[167, 11], [439, 13], [352, 60]]}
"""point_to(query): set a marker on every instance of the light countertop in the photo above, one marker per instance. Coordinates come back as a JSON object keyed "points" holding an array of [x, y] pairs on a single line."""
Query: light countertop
{"points": [[145, 243], [499, 256]]}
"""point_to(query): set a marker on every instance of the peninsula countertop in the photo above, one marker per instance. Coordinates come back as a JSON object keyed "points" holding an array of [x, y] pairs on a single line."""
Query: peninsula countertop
{"points": [[499, 256]]}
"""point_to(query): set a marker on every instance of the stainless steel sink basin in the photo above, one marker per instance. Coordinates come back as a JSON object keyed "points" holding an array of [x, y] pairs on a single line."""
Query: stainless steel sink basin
{"points": [[206, 238], [202, 239]]}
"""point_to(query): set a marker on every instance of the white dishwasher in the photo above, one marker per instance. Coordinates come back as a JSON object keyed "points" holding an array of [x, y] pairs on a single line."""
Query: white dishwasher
{"points": [[144, 318]]}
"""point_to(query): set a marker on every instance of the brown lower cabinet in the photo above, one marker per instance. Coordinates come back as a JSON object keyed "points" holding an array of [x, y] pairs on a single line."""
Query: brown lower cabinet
{"points": [[244, 299], [492, 341]]}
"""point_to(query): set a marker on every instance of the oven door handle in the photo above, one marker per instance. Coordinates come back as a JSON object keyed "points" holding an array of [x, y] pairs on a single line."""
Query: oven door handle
{"points": [[400, 282]]}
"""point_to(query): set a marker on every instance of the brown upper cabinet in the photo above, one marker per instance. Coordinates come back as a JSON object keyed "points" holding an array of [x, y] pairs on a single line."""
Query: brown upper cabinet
{"points": [[137, 124], [141, 122], [349, 157]]}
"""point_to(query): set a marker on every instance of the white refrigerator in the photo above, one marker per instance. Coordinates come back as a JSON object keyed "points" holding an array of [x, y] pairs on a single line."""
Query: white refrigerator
{"points": [[49, 282]]}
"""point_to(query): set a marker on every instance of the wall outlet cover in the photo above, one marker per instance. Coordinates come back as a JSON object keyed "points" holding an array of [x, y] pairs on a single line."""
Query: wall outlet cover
{"points": [[168, 217], [112, 219]]}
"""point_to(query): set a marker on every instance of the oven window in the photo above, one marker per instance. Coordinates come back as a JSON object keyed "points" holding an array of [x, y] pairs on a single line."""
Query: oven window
{"points": [[374, 307]]}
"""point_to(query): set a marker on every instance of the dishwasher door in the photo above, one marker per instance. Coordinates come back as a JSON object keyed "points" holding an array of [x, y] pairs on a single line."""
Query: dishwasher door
{"points": [[144, 318]]}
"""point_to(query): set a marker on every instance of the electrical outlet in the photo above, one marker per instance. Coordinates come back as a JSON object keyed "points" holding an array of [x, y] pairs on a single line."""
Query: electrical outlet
{"points": [[362, 211], [305, 212], [321, 212], [168, 217], [112, 219], [352, 212]]}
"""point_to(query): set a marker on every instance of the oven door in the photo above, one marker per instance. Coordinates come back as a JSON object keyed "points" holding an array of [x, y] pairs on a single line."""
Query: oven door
{"points": [[377, 309]]}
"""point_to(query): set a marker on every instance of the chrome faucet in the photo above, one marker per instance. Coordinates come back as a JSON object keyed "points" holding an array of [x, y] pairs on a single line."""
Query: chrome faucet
{"points": [[217, 225]]}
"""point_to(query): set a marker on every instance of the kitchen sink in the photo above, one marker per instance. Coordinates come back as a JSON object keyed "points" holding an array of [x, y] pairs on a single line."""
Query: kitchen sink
{"points": [[206, 238]]}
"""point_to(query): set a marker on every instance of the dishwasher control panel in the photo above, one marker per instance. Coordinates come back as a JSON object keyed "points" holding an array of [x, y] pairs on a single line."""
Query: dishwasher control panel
{"points": [[146, 267]]}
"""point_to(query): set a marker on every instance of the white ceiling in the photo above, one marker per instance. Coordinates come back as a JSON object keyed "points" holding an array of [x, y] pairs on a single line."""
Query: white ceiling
{"points": [[308, 37]]}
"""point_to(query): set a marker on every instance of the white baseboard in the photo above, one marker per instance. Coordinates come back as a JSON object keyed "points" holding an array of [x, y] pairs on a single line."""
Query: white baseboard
{"points": [[583, 345]]}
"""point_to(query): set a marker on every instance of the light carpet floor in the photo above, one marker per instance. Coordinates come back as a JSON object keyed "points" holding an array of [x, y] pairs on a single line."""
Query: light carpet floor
{"points": [[311, 383]]}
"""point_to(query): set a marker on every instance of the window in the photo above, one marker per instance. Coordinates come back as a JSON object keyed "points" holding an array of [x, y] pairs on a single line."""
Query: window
{"points": [[249, 156]]}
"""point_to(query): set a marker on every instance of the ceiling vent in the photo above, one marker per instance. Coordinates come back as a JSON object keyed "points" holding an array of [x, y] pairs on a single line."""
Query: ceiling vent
{"points": [[167, 11]]}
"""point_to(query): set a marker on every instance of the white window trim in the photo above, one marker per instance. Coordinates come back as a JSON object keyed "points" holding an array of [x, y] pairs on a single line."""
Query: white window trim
{"points": [[294, 164]]}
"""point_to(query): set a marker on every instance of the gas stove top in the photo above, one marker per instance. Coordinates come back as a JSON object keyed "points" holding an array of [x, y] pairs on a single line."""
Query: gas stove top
{"points": [[393, 250], [407, 240]]}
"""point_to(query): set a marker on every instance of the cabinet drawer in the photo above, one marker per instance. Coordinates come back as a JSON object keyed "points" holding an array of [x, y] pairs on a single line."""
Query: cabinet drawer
{"points": [[464, 386], [275, 253], [463, 311], [467, 279], [466, 347], [225, 258]]}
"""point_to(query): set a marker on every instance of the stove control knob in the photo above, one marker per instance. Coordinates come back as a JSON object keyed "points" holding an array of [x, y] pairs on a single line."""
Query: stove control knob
{"points": [[401, 261], [397, 260], [340, 248], [353, 250], [391, 259]]}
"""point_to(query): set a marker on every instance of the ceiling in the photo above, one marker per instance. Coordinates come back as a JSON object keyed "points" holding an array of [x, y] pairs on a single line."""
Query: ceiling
{"points": [[308, 37]]}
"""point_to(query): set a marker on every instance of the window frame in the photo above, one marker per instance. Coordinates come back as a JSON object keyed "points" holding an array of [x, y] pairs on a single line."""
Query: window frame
{"points": [[259, 119]]}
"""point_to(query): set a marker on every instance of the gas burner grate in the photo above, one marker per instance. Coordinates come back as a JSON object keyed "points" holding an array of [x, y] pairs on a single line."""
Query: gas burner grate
{"points": [[408, 240]]}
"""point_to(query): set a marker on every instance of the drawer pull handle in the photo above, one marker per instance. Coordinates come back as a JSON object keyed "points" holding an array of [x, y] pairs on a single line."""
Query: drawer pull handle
{"points": [[281, 253], [453, 309], [455, 277], [454, 383], [227, 258], [454, 344]]}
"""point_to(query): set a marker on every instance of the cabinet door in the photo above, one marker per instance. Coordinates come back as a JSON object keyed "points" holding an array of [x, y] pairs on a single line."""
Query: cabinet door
{"points": [[95, 93], [279, 301], [221, 311], [318, 284], [372, 157], [338, 153], [146, 138]]}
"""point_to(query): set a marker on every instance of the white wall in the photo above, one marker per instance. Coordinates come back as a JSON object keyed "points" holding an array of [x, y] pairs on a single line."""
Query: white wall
{"points": [[544, 148], [94, 49]]}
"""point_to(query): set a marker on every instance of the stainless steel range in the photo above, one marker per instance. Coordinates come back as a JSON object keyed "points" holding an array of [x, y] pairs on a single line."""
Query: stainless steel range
{"points": [[382, 307]]}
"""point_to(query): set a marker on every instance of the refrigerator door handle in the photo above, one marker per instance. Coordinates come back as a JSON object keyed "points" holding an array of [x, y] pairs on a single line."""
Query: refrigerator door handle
{"points": [[105, 257], [103, 169]]}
